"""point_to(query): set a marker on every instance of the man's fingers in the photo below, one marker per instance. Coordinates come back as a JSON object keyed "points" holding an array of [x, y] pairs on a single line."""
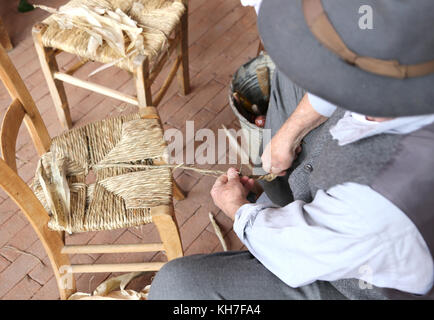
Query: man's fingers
{"points": [[244, 179], [249, 184], [266, 162], [223, 179], [266, 158], [232, 174], [273, 165], [278, 171]]}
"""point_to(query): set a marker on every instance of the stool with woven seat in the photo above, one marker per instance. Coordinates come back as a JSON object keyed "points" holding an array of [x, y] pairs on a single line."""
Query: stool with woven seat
{"points": [[102, 176], [163, 25]]}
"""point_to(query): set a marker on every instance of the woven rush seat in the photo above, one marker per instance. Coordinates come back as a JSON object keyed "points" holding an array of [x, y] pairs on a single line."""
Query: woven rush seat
{"points": [[158, 18], [120, 196]]}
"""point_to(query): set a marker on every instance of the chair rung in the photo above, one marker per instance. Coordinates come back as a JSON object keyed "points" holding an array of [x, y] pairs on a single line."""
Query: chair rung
{"points": [[119, 267], [96, 88], [167, 82], [76, 67], [113, 248]]}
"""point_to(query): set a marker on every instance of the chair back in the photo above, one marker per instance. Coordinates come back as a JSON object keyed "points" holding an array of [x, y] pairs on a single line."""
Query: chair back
{"points": [[23, 109]]}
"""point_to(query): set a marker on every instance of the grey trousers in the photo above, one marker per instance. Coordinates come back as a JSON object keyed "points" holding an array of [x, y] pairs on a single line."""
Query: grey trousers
{"points": [[232, 275]]}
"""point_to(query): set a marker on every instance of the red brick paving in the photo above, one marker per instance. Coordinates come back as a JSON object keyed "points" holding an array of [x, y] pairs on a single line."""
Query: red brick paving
{"points": [[222, 36]]}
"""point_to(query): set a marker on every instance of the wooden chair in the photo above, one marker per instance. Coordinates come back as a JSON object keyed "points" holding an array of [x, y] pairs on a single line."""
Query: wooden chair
{"points": [[5, 41], [50, 40], [22, 109]]}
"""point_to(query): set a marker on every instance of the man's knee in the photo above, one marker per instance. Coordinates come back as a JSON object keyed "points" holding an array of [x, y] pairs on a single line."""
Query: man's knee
{"points": [[177, 279]]}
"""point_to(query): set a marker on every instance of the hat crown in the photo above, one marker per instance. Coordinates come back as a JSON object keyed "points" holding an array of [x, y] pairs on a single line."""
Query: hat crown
{"points": [[386, 29], [402, 32]]}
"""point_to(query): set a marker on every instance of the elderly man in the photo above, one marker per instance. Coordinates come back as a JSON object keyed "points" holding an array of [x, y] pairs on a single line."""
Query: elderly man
{"points": [[352, 217]]}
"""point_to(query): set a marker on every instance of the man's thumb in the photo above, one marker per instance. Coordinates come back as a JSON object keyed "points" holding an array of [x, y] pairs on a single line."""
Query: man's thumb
{"points": [[233, 174]]}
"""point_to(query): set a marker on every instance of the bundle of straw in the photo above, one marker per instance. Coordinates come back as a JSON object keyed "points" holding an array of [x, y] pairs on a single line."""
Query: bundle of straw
{"points": [[102, 23]]}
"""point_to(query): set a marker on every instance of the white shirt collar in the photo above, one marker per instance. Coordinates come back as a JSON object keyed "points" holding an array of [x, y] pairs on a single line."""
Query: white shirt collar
{"points": [[353, 126]]}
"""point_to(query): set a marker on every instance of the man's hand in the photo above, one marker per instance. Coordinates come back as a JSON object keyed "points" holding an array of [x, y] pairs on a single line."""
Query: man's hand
{"points": [[230, 191], [284, 147], [279, 153]]}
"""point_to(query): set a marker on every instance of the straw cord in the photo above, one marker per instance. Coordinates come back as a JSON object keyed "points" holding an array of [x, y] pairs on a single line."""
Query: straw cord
{"points": [[218, 231], [215, 173]]}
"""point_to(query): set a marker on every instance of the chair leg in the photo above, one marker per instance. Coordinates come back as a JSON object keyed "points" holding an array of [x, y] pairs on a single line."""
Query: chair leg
{"points": [[65, 281], [183, 71], [49, 67], [169, 234], [5, 41], [178, 194], [141, 80]]}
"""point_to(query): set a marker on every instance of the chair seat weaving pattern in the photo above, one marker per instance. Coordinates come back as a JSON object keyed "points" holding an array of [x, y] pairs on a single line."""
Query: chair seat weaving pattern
{"points": [[79, 184], [157, 18]]}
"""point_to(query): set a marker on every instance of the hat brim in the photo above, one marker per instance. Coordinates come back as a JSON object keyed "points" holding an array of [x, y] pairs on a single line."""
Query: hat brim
{"points": [[299, 55]]}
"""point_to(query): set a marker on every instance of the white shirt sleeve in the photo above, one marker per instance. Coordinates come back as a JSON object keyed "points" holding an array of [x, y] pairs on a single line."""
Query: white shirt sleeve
{"points": [[350, 231], [321, 106]]}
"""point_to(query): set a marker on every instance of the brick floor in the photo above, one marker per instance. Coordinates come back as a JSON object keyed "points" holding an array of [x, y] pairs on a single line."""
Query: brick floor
{"points": [[222, 36]]}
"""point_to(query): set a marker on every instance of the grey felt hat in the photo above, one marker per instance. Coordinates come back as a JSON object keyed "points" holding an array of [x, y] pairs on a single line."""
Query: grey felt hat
{"points": [[403, 30]]}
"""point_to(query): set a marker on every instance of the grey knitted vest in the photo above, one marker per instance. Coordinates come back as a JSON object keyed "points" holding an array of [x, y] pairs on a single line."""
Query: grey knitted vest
{"points": [[324, 163], [400, 167]]}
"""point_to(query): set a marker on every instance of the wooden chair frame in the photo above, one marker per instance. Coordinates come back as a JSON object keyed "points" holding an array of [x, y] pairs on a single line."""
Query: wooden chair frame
{"points": [[143, 79], [24, 109], [5, 41]]}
